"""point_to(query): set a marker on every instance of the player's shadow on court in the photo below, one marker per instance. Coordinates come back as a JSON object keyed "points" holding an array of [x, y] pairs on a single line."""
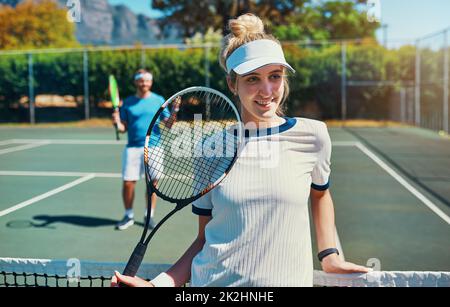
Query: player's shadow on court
{"points": [[48, 221]]}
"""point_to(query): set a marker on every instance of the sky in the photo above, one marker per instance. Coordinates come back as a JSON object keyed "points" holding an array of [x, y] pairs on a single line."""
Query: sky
{"points": [[406, 20], [411, 19]]}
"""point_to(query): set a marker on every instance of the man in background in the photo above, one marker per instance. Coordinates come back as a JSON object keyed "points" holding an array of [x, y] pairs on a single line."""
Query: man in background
{"points": [[134, 117]]}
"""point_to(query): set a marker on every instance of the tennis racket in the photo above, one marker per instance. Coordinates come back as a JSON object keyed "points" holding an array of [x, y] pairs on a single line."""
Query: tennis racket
{"points": [[115, 98], [189, 154]]}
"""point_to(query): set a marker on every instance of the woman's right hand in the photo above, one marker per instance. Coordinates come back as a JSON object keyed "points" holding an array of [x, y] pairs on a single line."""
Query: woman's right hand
{"points": [[129, 281]]}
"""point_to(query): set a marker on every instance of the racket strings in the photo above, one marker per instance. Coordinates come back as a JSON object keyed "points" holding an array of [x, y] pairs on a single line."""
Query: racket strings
{"points": [[184, 163]]}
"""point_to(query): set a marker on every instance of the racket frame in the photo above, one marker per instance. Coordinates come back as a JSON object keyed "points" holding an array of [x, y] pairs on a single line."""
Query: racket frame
{"points": [[139, 252], [112, 85], [186, 201]]}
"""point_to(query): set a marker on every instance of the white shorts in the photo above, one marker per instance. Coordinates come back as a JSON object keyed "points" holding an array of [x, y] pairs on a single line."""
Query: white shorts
{"points": [[133, 163]]}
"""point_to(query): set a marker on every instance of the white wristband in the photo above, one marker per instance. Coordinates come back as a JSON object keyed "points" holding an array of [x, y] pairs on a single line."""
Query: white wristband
{"points": [[163, 280]]}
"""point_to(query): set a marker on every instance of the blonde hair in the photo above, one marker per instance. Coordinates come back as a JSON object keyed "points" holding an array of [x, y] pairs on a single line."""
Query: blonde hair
{"points": [[244, 29]]}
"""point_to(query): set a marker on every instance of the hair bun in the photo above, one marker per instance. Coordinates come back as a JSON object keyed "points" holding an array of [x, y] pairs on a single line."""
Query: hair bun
{"points": [[246, 24]]}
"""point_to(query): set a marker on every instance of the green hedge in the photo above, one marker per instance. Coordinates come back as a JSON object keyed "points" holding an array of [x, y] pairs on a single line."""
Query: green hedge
{"points": [[317, 81]]}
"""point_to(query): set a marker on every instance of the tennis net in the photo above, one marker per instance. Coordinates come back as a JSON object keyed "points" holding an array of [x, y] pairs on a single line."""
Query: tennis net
{"points": [[17, 272]]}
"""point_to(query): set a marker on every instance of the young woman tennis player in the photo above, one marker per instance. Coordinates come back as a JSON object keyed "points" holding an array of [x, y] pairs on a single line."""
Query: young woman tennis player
{"points": [[254, 228]]}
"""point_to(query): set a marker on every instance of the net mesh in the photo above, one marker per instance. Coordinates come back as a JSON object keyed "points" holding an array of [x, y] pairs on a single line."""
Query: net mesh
{"points": [[15, 272], [18, 272]]}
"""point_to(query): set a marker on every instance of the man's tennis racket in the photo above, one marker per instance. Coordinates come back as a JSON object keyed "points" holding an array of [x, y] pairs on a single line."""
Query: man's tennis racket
{"points": [[192, 153], [115, 98]]}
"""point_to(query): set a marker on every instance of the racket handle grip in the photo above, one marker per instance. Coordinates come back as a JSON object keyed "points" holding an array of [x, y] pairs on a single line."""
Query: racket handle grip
{"points": [[117, 132], [134, 262], [116, 126]]}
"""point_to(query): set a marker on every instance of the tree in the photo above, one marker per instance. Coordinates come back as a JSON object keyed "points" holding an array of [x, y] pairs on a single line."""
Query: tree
{"points": [[328, 20], [35, 25], [211, 36], [289, 19], [343, 20], [198, 16]]}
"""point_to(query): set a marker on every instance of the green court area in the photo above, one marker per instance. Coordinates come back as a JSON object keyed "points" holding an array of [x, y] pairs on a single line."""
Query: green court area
{"points": [[60, 198]]}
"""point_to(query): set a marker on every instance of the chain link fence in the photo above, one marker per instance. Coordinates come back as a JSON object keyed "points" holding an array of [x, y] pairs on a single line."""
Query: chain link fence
{"points": [[353, 79]]}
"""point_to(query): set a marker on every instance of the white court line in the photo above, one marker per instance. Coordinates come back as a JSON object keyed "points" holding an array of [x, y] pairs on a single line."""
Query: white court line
{"points": [[59, 174], [23, 147], [86, 177], [107, 142], [46, 195], [404, 183], [78, 174], [345, 143], [6, 142], [360, 146], [104, 142], [70, 142]]}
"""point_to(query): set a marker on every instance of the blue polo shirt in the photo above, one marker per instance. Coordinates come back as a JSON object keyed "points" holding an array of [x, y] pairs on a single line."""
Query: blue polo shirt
{"points": [[138, 114]]}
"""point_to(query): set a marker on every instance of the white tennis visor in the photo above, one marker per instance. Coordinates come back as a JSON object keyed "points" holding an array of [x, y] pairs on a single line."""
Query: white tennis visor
{"points": [[256, 54], [145, 76]]}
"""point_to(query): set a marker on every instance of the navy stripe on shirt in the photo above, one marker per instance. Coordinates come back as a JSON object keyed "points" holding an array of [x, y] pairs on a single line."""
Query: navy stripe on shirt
{"points": [[320, 187], [200, 211]]}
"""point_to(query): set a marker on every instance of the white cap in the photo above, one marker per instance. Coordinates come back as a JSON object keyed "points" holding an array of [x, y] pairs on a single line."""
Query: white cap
{"points": [[256, 54], [145, 76]]}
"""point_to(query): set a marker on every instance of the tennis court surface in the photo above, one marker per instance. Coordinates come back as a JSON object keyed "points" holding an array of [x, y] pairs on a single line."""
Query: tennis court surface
{"points": [[61, 197]]}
